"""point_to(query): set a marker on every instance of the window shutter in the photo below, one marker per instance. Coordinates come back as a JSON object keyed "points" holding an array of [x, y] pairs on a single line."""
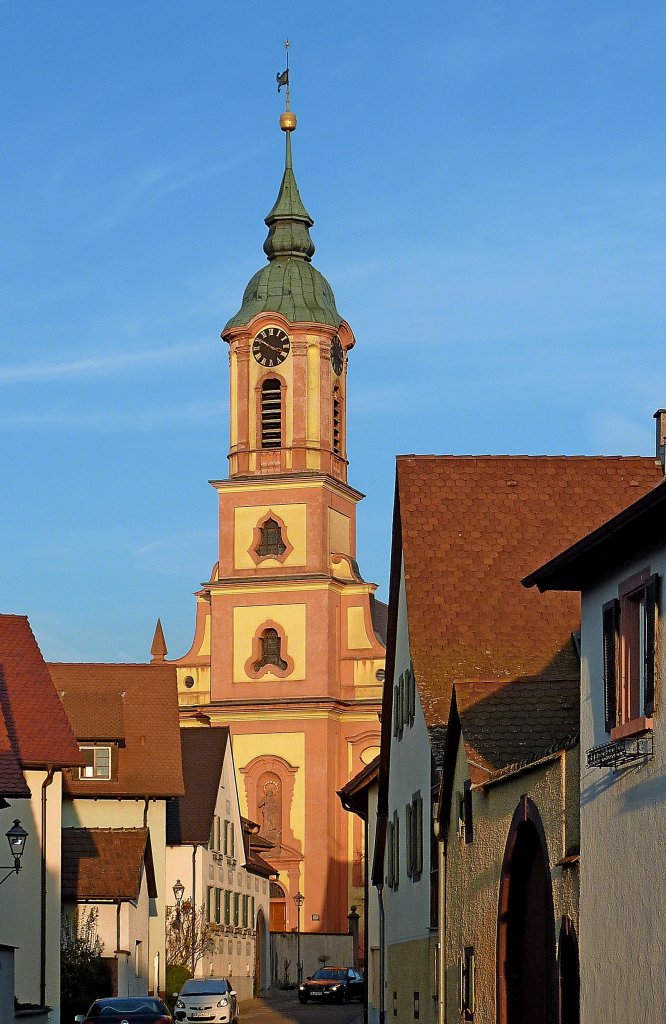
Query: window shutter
{"points": [[389, 852], [412, 695], [469, 821], [401, 702], [397, 849], [232, 839], [650, 641], [396, 710], [409, 838], [611, 631], [418, 828], [405, 700]]}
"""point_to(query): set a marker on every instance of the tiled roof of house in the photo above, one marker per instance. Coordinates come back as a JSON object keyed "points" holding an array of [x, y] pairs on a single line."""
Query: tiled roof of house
{"points": [[190, 817], [256, 865], [148, 757], [95, 716], [472, 527], [509, 725], [34, 722], [106, 863], [12, 781]]}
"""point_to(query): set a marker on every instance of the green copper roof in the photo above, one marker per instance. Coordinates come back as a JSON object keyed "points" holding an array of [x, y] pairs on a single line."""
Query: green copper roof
{"points": [[289, 285]]}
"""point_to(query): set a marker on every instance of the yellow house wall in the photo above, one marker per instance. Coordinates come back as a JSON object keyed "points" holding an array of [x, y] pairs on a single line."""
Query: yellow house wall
{"points": [[472, 873], [246, 623], [246, 518], [20, 894]]}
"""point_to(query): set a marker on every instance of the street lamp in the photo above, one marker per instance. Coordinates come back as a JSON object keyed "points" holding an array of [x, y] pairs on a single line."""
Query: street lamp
{"points": [[178, 892], [299, 900], [16, 837]]}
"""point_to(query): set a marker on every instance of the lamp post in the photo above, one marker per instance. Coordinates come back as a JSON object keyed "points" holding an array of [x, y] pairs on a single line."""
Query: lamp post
{"points": [[16, 837], [299, 899], [178, 892]]}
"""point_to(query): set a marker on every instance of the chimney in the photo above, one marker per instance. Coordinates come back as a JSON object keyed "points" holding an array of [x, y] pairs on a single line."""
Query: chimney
{"points": [[660, 417]]}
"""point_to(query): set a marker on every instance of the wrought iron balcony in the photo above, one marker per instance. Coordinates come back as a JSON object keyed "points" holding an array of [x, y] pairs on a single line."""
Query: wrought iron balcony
{"points": [[618, 753]]}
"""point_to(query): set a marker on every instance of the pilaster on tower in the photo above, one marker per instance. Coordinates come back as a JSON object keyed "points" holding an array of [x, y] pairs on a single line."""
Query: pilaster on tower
{"points": [[288, 350]]}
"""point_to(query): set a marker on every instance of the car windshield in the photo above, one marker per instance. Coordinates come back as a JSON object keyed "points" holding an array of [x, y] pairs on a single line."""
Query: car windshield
{"points": [[207, 987], [329, 974], [120, 1007]]}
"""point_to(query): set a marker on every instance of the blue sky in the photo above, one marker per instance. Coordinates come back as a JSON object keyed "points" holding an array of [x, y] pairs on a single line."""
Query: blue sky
{"points": [[487, 181]]}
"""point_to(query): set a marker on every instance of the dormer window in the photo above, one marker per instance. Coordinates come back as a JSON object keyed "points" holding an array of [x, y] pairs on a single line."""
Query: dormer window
{"points": [[97, 763], [271, 413]]}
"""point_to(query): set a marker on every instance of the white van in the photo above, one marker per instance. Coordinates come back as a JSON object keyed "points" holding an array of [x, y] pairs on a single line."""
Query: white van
{"points": [[207, 1001]]}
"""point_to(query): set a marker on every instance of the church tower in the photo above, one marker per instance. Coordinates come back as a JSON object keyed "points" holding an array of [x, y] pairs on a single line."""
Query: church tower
{"points": [[289, 640]]}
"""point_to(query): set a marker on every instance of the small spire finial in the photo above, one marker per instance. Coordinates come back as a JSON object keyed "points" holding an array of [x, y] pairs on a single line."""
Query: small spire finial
{"points": [[159, 647], [287, 118]]}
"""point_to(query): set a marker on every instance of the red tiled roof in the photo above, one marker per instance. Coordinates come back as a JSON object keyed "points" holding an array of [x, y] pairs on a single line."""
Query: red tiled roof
{"points": [[35, 722], [106, 863], [472, 527], [148, 758], [12, 781]]}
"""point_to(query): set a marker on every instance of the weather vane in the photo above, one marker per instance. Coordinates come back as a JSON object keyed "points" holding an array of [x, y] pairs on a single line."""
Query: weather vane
{"points": [[283, 78], [287, 118]]}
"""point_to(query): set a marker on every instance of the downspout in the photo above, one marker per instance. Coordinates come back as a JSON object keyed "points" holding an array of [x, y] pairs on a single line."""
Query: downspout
{"points": [[149, 962], [380, 898], [366, 915], [194, 905], [42, 943]]}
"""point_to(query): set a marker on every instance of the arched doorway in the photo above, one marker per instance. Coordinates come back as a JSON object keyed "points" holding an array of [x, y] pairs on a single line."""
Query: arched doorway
{"points": [[278, 908], [568, 973], [260, 962], [526, 979]]}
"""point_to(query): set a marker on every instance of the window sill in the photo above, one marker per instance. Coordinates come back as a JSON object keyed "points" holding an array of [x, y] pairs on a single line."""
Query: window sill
{"points": [[633, 728]]}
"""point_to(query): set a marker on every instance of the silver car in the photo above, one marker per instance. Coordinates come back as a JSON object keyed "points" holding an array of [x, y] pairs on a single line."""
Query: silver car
{"points": [[207, 1001]]}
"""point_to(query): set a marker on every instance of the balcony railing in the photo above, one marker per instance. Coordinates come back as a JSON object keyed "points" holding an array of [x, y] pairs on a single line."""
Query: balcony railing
{"points": [[619, 753]]}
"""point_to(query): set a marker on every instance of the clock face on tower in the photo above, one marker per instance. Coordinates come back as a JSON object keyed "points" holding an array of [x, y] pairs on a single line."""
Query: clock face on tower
{"points": [[337, 356], [271, 346]]}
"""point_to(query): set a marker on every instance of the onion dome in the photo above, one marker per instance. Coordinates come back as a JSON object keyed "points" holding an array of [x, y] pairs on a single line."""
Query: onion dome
{"points": [[289, 285]]}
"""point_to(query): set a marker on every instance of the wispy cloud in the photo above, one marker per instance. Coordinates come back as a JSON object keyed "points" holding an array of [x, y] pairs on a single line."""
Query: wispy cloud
{"points": [[100, 366], [176, 540], [114, 421]]}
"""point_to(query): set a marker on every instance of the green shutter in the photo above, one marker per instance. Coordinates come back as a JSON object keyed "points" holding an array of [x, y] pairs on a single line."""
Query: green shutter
{"points": [[236, 902], [226, 836], [412, 696], [252, 913], [418, 832], [396, 847], [218, 894], [232, 839], [227, 907], [409, 839], [396, 711], [389, 854]]}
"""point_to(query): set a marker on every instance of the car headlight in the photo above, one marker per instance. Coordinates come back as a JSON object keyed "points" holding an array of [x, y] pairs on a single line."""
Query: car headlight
{"points": [[223, 1002], [334, 988], [180, 1005], [301, 988]]}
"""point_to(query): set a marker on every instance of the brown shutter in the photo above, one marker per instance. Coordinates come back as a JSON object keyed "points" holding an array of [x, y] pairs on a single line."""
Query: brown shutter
{"points": [[611, 628], [650, 641]]}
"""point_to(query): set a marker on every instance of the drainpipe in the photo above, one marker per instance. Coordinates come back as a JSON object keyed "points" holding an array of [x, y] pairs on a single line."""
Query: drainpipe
{"points": [[42, 944], [380, 898], [194, 905]]}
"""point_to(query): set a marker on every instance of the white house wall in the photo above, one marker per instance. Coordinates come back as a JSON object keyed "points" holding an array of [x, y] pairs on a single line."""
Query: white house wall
{"points": [[410, 943], [623, 855], [20, 895]]}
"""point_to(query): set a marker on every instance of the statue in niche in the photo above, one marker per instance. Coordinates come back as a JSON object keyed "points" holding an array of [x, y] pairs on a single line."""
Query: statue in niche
{"points": [[271, 813]]}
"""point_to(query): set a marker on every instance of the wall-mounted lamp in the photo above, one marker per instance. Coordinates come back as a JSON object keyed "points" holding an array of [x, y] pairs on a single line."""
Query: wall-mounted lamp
{"points": [[16, 837]]}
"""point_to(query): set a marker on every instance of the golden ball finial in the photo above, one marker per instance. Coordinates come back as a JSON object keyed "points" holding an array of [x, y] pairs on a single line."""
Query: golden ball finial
{"points": [[288, 121]]}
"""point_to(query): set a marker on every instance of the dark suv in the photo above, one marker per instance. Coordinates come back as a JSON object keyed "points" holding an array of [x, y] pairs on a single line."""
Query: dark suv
{"points": [[334, 984]]}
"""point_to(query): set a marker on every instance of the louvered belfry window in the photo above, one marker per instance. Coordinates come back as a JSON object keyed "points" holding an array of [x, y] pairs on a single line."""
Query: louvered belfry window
{"points": [[271, 542], [271, 413], [337, 422], [270, 650]]}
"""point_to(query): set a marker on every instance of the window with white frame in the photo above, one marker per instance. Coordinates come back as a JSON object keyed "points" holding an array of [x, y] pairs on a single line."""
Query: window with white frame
{"points": [[97, 763]]}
